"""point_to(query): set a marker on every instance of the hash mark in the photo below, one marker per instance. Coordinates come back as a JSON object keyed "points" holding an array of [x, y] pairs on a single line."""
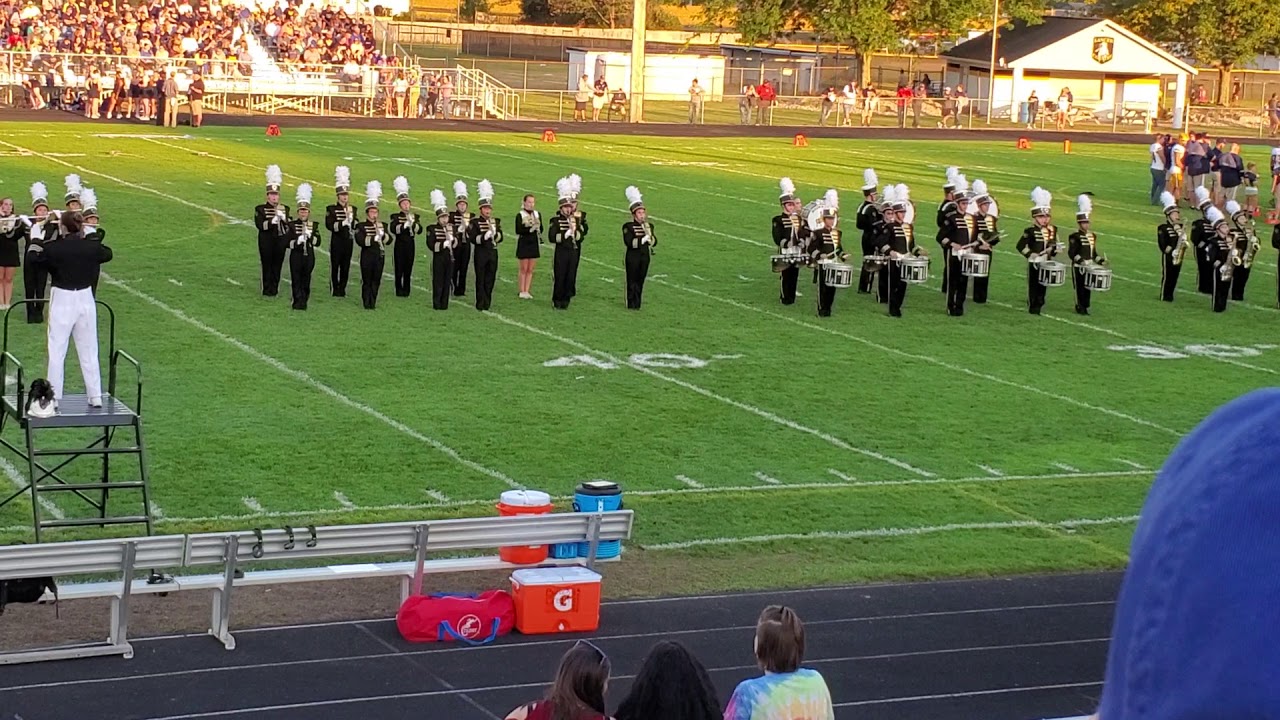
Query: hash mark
{"points": [[767, 479], [437, 496], [253, 504], [744, 277], [1131, 464], [608, 280], [842, 476], [689, 481], [234, 282], [699, 277], [990, 470], [175, 282], [342, 500], [1065, 467]]}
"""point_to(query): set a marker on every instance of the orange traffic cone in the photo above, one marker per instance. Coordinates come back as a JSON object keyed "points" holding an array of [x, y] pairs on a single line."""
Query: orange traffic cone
{"points": [[1024, 143], [548, 135], [273, 130], [800, 140]]}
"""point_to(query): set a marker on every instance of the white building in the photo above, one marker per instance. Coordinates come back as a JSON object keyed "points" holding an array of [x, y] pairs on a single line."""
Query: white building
{"points": [[666, 77], [1108, 68]]}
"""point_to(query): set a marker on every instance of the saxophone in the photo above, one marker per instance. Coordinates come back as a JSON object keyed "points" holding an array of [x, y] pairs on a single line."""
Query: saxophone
{"points": [[1180, 250], [1251, 250]]}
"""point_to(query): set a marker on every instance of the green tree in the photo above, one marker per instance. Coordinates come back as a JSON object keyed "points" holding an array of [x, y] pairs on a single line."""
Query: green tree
{"points": [[758, 21], [1218, 33], [865, 26], [536, 12]]}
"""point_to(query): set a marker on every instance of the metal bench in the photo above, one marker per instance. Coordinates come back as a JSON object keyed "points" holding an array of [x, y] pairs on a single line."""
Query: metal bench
{"points": [[229, 552]]}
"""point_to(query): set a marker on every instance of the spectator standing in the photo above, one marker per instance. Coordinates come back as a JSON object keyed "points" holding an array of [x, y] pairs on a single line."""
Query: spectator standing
{"points": [[400, 95], [93, 95], [962, 103], [170, 90], [600, 96], [904, 94], [1197, 163], [767, 97], [695, 102], [828, 106], [1275, 175], [948, 109], [1063, 110], [1157, 152], [1230, 173], [1274, 116], [869, 102], [1249, 179], [432, 95], [581, 98], [446, 96], [848, 102], [786, 691], [670, 685], [1033, 112], [747, 103], [195, 96], [918, 94], [1176, 167], [578, 691]]}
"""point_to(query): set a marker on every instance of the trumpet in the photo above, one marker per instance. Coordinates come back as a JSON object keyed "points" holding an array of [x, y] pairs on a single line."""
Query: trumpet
{"points": [[450, 241], [646, 236], [573, 229], [488, 230], [349, 214]]}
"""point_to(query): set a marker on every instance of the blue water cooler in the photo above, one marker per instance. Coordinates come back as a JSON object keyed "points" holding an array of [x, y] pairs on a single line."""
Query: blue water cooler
{"points": [[590, 497]]}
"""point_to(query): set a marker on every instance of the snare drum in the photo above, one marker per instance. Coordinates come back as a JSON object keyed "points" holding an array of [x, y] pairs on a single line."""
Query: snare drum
{"points": [[975, 264], [787, 260], [837, 275], [1052, 273], [915, 270], [1097, 278]]}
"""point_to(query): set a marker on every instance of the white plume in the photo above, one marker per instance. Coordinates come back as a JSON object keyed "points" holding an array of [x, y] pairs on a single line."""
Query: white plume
{"points": [[575, 184], [1213, 215], [1202, 195], [1233, 207], [1085, 203], [304, 194], [39, 192], [952, 173], [373, 191], [786, 186], [437, 200], [1041, 198], [979, 187], [633, 194], [994, 210], [274, 176], [902, 193], [1167, 200], [74, 186], [401, 184], [459, 188], [485, 189], [961, 184], [832, 199], [869, 179], [888, 195], [564, 189], [89, 199], [342, 176]]}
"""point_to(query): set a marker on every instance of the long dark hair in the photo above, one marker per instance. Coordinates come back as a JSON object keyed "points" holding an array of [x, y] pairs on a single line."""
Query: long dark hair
{"points": [[72, 222], [580, 683], [671, 685]]}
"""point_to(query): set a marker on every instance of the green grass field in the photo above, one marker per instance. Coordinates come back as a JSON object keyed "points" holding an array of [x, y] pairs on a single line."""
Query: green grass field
{"points": [[758, 444]]}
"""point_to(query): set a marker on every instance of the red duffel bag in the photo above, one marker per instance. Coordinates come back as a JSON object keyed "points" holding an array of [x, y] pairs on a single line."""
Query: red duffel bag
{"points": [[471, 619]]}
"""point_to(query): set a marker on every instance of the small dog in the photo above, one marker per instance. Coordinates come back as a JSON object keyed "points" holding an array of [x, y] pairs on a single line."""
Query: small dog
{"points": [[41, 404]]}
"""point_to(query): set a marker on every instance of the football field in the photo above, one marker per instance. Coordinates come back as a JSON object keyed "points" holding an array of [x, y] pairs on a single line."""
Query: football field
{"points": [[759, 444]]}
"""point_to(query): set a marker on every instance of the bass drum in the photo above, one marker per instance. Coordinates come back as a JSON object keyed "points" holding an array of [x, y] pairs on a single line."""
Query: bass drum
{"points": [[812, 213]]}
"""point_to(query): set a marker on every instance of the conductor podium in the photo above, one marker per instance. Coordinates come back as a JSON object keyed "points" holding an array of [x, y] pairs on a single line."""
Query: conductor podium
{"points": [[47, 447]]}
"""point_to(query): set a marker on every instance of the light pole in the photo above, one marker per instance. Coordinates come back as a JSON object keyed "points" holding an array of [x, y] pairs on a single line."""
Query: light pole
{"points": [[991, 80], [639, 18]]}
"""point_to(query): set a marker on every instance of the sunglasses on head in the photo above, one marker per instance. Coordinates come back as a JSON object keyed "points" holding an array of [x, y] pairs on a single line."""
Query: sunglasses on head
{"points": [[603, 658]]}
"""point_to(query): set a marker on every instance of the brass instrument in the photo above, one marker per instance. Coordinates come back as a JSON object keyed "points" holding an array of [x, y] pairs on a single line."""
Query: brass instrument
{"points": [[350, 214], [1252, 246], [646, 233], [1233, 258], [573, 229], [7, 224], [488, 230], [1180, 250], [382, 238]]}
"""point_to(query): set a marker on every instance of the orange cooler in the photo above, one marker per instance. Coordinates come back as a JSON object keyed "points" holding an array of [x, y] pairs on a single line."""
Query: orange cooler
{"points": [[556, 600], [524, 502]]}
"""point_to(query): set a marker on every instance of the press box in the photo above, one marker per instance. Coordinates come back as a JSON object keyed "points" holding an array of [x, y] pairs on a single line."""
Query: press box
{"points": [[556, 600]]}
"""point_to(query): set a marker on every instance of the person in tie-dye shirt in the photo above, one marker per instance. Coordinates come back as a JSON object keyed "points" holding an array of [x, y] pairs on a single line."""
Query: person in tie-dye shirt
{"points": [[786, 691]]}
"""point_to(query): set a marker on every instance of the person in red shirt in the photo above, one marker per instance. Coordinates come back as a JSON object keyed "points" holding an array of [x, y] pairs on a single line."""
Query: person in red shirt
{"points": [[904, 94], [767, 96]]}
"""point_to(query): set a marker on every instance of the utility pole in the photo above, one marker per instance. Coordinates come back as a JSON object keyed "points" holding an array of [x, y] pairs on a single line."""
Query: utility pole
{"points": [[991, 81], [639, 20]]}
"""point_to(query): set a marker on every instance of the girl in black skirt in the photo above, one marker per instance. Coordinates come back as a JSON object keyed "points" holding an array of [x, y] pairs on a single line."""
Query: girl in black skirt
{"points": [[11, 232], [528, 237]]}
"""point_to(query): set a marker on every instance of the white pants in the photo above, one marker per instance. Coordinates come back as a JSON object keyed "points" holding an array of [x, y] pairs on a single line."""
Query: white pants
{"points": [[72, 313]]}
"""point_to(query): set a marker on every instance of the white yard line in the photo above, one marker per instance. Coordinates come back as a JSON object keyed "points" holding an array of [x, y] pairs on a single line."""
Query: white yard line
{"points": [[842, 476], [991, 471], [253, 504], [233, 282], [1132, 464], [17, 480], [343, 501], [896, 532], [767, 479], [689, 482], [438, 496], [1064, 467], [307, 379], [916, 356]]}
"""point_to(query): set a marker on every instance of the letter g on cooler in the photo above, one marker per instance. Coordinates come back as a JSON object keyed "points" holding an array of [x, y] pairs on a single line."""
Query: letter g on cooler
{"points": [[562, 601]]}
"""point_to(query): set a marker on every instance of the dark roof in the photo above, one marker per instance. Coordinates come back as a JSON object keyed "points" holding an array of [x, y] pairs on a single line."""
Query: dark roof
{"points": [[1020, 40]]}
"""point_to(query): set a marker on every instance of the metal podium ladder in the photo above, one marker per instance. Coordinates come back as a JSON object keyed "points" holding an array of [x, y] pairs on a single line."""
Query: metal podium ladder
{"points": [[46, 463]]}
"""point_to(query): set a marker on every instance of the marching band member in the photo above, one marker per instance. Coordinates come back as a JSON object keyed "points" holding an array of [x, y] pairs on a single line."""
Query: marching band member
{"points": [[404, 227], [372, 237], [528, 240], [92, 231], [948, 210], [304, 237], [461, 221], [885, 229], [485, 232], [1037, 244], [1202, 239], [1246, 247], [899, 244], [1082, 246], [825, 247], [1222, 257], [272, 221], [985, 217], [39, 231], [960, 238], [638, 238], [1171, 240], [867, 220], [565, 233], [440, 240], [1275, 244], [12, 230], [340, 221], [575, 186], [790, 234], [71, 202]]}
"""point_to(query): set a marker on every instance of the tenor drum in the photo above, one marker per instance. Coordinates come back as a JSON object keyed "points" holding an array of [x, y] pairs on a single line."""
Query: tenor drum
{"points": [[975, 264], [915, 270], [1052, 273], [1097, 279], [780, 262], [838, 275]]}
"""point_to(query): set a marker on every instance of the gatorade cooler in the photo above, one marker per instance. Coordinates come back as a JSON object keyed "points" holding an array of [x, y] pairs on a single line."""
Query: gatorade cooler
{"points": [[524, 502], [556, 600], [599, 496]]}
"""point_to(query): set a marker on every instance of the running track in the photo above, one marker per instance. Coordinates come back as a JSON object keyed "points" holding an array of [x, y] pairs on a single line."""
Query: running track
{"points": [[1003, 649]]}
